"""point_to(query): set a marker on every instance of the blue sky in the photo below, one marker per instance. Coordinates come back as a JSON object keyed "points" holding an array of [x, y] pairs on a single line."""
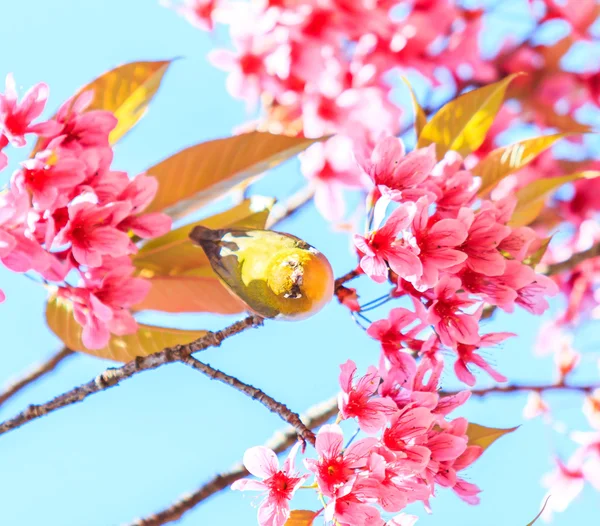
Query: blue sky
{"points": [[134, 449]]}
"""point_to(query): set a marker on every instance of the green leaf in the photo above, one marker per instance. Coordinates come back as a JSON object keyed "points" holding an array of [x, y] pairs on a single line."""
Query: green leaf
{"points": [[202, 173], [181, 276], [461, 125], [506, 160], [147, 340], [531, 198], [483, 436]]}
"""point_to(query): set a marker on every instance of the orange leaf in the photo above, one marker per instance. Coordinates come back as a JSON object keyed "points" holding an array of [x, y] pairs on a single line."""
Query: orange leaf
{"points": [[200, 174], [126, 91], [301, 518], [506, 160], [531, 198], [462, 124], [186, 293], [485, 436], [181, 276], [147, 340]]}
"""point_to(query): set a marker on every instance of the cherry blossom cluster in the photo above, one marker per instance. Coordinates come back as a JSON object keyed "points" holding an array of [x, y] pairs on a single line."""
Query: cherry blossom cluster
{"points": [[322, 66], [448, 258], [66, 215], [410, 450]]}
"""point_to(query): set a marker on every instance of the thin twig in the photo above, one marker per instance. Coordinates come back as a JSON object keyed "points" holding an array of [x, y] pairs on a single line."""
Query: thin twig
{"points": [[292, 205], [573, 261], [114, 376], [256, 394], [339, 283], [518, 388], [34, 374], [279, 442]]}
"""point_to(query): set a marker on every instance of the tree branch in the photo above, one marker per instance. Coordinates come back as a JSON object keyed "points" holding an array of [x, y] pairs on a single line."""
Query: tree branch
{"points": [[256, 394], [516, 388], [34, 374], [573, 261], [339, 283], [292, 205], [282, 440], [114, 376]]}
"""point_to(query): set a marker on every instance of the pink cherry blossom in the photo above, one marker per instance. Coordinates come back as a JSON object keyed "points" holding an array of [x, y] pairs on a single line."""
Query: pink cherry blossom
{"points": [[481, 245], [390, 333], [335, 468], [3, 157], [139, 193], [16, 118], [246, 68], [436, 241], [279, 485], [532, 297], [564, 484], [404, 433], [449, 321], [102, 301], [390, 483], [81, 128], [535, 406], [453, 186], [499, 290], [396, 173], [591, 408], [358, 401], [403, 519], [468, 354], [199, 13], [348, 509], [47, 178], [383, 246], [92, 233], [330, 169]]}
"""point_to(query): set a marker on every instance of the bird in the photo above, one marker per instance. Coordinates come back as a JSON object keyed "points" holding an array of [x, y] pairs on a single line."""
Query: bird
{"points": [[277, 275]]}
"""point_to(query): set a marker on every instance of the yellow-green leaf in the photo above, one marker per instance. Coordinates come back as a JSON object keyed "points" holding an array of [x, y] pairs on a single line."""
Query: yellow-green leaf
{"points": [[301, 518], [534, 258], [485, 436], [126, 91], [199, 174], [420, 117], [147, 340], [181, 276], [461, 125], [531, 198], [506, 160]]}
